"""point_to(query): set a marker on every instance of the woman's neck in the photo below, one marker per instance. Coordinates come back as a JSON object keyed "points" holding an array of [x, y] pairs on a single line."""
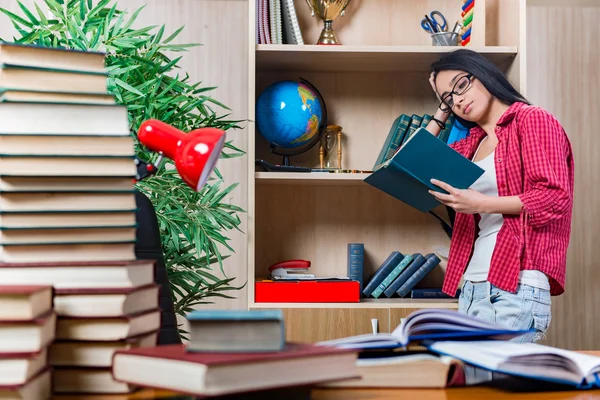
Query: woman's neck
{"points": [[489, 121]]}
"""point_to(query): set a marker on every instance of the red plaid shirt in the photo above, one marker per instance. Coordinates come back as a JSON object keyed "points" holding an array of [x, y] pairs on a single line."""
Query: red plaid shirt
{"points": [[534, 161]]}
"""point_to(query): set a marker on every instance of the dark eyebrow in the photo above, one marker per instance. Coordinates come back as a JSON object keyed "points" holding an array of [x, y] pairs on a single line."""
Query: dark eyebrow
{"points": [[455, 77], [452, 83]]}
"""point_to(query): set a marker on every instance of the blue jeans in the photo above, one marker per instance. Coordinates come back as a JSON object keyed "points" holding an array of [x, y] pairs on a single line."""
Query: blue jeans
{"points": [[528, 308]]}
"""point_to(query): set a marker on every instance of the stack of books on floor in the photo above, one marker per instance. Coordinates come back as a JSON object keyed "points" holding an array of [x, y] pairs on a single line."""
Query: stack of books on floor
{"points": [[68, 210], [27, 329], [400, 273], [236, 352]]}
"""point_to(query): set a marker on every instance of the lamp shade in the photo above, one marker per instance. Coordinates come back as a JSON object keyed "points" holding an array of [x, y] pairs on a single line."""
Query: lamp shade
{"points": [[195, 154]]}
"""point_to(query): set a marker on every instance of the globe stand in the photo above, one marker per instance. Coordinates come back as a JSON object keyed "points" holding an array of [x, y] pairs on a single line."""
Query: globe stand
{"points": [[286, 153]]}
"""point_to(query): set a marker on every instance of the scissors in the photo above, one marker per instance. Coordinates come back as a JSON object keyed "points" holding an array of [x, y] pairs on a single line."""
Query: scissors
{"points": [[439, 23]]}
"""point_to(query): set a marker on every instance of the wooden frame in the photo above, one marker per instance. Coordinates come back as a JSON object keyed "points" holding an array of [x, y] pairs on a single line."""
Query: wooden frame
{"points": [[379, 72]]}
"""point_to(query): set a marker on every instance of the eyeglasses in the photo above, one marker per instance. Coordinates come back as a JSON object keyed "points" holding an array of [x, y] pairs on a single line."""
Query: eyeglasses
{"points": [[461, 86]]}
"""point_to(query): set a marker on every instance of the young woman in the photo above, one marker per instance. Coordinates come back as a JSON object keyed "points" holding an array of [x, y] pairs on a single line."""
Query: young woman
{"points": [[512, 226]]}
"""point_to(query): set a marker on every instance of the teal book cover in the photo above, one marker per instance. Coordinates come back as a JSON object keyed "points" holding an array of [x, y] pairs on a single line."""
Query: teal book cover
{"points": [[406, 176]]}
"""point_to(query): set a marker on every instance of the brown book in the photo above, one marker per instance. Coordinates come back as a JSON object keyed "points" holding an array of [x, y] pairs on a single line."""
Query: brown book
{"points": [[75, 145], [24, 302], [64, 252], [172, 367], [49, 57], [94, 353], [79, 275], [18, 369], [52, 79], [63, 119], [66, 202], [27, 336], [11, 236], [405, 370], [107, 329], [87, 381], [55, 97], [37, 388], [96, 302], [66, 219], [53, 166]]}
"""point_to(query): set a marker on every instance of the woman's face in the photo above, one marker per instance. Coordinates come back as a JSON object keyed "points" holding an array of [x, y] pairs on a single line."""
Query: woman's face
{"points": [[464, 94]]}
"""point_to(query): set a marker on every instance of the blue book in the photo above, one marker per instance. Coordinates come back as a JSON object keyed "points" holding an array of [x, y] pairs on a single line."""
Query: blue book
{"points": [[418, 261], [236, 330], [430, 325], [419, 274], [406, 176], [356, 263], [383, 271]]}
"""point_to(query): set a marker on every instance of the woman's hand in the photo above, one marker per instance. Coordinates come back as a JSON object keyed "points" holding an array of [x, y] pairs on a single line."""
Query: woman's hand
{"points": [[467, 201]]}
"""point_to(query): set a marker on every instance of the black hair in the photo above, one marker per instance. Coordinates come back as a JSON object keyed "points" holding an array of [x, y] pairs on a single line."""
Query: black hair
{"points": [[485, 71]]}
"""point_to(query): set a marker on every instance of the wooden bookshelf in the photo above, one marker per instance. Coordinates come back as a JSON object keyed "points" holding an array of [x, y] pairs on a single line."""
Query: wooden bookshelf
{"points": [[379, 71], [314, 58]]}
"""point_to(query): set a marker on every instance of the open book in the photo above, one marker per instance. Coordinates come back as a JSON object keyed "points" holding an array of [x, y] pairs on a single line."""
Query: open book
{"points": [[406, 176], [528, 360], [429, 325]]}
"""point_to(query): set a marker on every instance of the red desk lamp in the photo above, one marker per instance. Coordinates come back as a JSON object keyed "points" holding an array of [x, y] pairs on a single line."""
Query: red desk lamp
{"points": [[195, 154]]}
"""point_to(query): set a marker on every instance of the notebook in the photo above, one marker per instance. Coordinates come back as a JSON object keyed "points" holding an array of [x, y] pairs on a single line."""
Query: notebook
{"points": [[427, 325], [406, 176], [526, 360], [291, 27]]}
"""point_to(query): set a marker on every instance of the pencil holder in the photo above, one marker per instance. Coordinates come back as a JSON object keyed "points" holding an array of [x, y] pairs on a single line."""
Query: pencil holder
{"points": [[444, 39]]}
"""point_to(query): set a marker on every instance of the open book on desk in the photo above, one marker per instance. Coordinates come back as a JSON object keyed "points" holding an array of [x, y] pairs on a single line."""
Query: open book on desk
{"points": [[429, 325], [526, 360], [407, 175]]}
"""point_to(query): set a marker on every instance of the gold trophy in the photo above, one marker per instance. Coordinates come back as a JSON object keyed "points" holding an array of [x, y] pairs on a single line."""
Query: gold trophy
{"points": [[328, 10]]}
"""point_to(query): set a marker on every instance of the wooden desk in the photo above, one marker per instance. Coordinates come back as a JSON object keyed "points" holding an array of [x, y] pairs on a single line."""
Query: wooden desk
{"points": [[474, 393]]}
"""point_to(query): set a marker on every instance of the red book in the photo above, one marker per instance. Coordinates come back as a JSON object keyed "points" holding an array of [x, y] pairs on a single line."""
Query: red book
{"points": [[24, 302], [172, 367], [305, 291]]}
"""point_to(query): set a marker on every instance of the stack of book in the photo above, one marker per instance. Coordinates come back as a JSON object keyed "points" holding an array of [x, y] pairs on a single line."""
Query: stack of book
{"points": [[27, 328], [68, 210], [231, 352]]}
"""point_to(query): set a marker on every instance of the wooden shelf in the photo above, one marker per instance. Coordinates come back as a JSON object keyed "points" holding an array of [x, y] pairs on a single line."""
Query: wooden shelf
{"points": [[309, 178], [315, 58], [369, 303]]}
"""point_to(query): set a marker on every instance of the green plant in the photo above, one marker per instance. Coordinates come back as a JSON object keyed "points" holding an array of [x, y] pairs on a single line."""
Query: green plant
{"points": [[146, 79]]}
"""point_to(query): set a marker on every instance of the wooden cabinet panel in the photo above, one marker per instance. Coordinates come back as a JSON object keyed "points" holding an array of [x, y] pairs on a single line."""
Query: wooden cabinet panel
{"points": [[317, 324]]}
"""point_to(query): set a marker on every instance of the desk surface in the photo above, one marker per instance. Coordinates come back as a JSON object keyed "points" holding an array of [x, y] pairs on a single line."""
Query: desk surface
{"points": [[383, 394]]}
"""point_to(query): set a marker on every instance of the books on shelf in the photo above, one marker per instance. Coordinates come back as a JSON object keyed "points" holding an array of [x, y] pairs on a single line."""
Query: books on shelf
{"points": [[277, 22], [399, 274], [429, 325], [407, 175]]}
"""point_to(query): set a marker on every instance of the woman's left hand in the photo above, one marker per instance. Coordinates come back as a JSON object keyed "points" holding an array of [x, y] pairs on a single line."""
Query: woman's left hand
{"points": [[466, 201]]}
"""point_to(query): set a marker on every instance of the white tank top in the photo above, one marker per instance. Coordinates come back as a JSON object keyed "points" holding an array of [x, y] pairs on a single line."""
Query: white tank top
{"points": [[489, 226]]}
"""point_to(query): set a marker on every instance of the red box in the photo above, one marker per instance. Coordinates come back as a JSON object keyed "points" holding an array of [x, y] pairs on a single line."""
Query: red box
{"points": [[318, 291]]}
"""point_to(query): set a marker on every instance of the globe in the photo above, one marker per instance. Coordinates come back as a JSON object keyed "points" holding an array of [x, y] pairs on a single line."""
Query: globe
{"points": [[290, 115]]}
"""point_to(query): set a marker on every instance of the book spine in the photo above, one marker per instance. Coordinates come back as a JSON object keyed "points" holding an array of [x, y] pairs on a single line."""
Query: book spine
{"points": [[398, 136], [430, 264], [386, 267], [418, 261], [425, 121], [388, 142], [390, 278], [356, 258]]}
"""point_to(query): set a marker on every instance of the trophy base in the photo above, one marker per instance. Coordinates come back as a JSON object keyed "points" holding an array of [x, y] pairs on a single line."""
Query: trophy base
{"points": [[328, 36]]}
